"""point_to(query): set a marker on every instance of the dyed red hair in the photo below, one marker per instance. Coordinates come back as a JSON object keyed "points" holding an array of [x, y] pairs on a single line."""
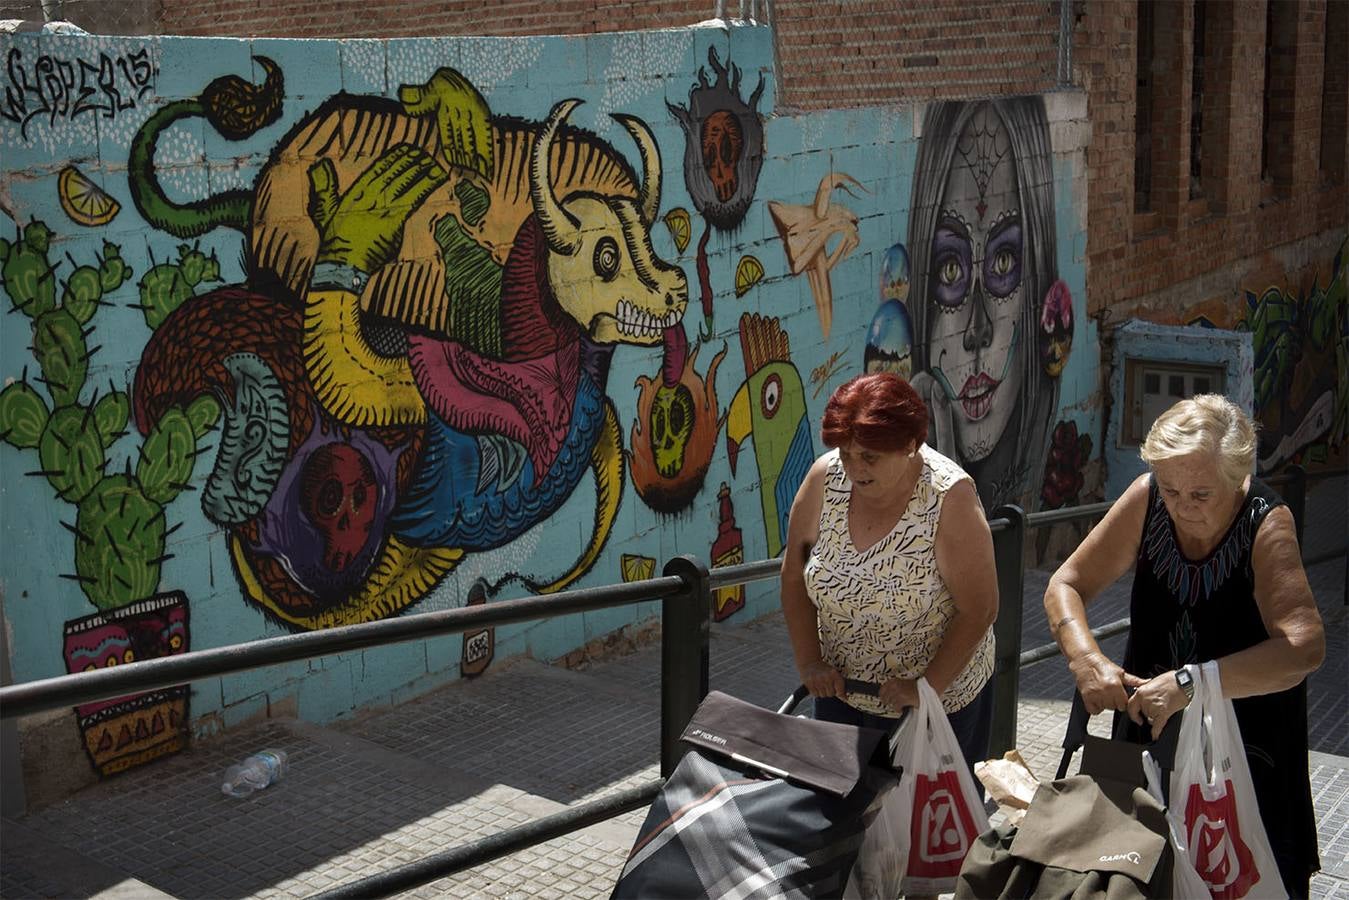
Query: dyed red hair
{"points": [[879, 411]]}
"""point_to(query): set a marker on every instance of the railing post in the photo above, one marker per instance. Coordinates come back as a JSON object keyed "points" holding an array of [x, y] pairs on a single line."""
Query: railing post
{"points": [[684, 634], [1295, 495], [1009, 553]]}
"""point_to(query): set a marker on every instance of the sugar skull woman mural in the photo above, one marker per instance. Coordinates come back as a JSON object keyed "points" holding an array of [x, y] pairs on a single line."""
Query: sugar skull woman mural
{"points": [[992, 323]]}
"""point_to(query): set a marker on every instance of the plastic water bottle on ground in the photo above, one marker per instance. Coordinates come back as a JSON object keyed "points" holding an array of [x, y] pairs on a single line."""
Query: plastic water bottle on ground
{"points": [[254, 774]]}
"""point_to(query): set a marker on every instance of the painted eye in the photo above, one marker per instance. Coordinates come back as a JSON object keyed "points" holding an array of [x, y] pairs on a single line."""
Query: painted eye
{"points": [[1003, 263], [770, 398], [606, 258], [949, 273]]}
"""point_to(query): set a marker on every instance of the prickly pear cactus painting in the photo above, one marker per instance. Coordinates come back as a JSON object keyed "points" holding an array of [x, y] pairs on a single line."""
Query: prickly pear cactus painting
{"points": [[119, 520]]}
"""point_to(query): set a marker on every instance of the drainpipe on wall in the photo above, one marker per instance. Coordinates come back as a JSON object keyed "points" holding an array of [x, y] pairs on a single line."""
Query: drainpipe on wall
{"points": [[51, 10], [1065, 78]]}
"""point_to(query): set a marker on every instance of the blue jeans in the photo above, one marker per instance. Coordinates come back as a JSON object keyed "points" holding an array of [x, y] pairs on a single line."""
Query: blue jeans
{"points": [[972, 723]]}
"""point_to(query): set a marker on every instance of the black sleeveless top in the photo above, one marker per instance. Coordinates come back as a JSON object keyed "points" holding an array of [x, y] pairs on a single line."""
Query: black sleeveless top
{"points": [[1183, 611]]}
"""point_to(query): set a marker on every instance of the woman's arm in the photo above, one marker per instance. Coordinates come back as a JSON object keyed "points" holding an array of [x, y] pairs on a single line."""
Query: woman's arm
{"points": [[965, 560], [803, 626], [1297, 640], [1296, 644], [1102, 557], [964, 552]]}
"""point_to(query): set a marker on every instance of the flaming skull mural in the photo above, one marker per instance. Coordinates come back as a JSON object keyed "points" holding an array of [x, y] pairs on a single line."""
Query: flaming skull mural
{"points": [[723, 153], [674, 434]]}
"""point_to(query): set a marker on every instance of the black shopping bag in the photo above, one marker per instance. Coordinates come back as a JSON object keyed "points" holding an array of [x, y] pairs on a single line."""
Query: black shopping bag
{"points": [[765, 804]]}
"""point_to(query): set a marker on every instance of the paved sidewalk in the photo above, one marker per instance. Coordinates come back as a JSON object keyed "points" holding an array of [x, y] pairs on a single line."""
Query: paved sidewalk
{"points": [[396, 784]]}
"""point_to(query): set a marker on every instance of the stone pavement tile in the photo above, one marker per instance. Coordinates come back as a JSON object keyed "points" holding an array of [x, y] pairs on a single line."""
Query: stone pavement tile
{"points": [[546, 731]]}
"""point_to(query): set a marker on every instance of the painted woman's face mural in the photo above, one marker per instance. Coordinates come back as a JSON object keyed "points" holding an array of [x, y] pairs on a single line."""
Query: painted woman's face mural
{"points": [[975, 300]]}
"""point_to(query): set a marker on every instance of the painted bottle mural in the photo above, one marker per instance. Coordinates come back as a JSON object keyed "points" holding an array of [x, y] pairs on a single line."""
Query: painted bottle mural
{"points": [[727, 550]]}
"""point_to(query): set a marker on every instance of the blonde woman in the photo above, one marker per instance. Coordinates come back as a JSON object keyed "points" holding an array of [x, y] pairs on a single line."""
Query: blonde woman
{"points": [[1218, 576]]}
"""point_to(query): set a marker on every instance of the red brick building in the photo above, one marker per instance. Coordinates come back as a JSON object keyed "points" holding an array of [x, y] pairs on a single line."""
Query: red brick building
{"points": [[1218, 139]]}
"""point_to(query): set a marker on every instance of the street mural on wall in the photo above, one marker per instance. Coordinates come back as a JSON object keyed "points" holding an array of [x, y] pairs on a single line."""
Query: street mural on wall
{"points": [[807, 233], [419, 359], [1299, 327], [723, 155], [369, 347], [769, 410], [972, 308]]}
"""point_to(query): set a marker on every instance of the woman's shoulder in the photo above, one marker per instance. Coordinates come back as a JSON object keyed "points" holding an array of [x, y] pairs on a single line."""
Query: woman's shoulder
{"points": [[942, 471]]}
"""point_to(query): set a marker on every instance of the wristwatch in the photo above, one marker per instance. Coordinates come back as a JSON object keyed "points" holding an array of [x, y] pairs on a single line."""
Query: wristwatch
{"points": [[1186, 682]]}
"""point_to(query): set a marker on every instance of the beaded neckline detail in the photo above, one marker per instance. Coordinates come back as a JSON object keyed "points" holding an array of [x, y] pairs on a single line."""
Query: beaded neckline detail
{"points": [[1191, 582]]}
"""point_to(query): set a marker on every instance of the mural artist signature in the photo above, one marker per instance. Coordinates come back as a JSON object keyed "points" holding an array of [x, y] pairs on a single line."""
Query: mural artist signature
{"points": [[820, 375], [65, 88]]}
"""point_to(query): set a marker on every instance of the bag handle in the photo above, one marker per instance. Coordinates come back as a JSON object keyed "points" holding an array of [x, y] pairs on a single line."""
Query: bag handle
{"points": [[1163, 749], [851, 685]]}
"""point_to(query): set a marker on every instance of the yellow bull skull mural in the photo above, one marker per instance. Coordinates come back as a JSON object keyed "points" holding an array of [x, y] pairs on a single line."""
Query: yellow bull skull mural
{"points": [[434, 297]]}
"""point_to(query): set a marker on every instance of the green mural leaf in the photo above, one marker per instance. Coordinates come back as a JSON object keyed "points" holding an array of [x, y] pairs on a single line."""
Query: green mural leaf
{"points": [[23, 415], [167, 456], [71, 451], [119, 541], [28, 278], [203, 413], [112, 271], [163, 289], [84, 288], [110, 415], [58, 345]]}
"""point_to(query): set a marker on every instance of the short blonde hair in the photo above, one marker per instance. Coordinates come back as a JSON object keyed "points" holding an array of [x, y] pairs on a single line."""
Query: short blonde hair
{"points": [[1205, 423]]}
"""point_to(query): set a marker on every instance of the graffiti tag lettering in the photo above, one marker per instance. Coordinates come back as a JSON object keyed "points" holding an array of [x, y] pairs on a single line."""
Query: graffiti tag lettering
{"points": [[63, 88]]}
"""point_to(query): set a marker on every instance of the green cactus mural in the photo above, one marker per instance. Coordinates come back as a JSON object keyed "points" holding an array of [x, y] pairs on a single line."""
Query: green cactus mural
{"points": [[120, 524]]}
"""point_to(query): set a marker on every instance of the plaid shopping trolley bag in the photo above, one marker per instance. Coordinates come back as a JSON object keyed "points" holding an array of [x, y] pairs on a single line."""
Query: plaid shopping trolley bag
{"points": [[768, 804]]}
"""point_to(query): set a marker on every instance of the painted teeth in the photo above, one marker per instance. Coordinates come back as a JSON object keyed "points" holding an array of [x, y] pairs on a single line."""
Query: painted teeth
{"points": [[639, 323]]}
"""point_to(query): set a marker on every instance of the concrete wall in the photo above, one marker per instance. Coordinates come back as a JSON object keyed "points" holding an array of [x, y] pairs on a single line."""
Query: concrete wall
{"points": [[300, 340]]}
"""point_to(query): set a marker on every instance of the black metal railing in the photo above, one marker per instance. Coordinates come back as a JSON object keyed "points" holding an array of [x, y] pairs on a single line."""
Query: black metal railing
{"points": [[686, 588]]}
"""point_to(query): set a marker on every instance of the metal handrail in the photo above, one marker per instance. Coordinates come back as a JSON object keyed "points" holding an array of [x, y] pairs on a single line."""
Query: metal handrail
{"points": [[31, 697], [686, 587]]}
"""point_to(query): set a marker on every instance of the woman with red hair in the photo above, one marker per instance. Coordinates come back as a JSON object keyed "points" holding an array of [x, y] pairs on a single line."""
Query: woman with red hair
{"points": [[888, 572]]}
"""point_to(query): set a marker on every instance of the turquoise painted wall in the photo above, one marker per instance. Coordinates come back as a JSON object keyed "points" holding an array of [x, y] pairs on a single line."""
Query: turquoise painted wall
{"points": [[269, 372]]}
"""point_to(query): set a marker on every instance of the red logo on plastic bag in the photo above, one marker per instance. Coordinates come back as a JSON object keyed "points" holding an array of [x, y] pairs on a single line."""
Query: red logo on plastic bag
{"points": [[1219, 854], [942, 829]]}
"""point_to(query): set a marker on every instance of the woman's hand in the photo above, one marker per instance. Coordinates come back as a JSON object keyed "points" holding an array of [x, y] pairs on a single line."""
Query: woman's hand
{"points": [[822, 680], [1156, 701], [1102, 684], [899, 693]]}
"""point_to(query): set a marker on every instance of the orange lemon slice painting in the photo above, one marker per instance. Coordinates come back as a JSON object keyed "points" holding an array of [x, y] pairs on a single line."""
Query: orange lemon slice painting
{"points": [[85, 202]]}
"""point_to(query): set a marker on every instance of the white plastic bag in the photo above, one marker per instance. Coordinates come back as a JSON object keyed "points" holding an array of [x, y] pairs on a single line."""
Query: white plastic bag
{"points": [[1185, 880], [1213, 802], [944, 812]]}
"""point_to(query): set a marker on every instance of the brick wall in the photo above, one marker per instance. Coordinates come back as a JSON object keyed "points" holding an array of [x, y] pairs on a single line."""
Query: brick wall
{"points": [[840, 54], [878, 51], [1132, 255], [424, 18]]}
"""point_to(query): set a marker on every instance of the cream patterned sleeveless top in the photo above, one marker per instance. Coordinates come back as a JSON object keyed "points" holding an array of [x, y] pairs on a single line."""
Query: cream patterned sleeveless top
{"points": [[883, 612]]}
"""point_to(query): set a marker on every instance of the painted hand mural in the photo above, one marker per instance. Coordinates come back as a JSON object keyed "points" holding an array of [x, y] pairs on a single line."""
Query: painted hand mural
{"points": [[770, 407], [416, 368]]}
